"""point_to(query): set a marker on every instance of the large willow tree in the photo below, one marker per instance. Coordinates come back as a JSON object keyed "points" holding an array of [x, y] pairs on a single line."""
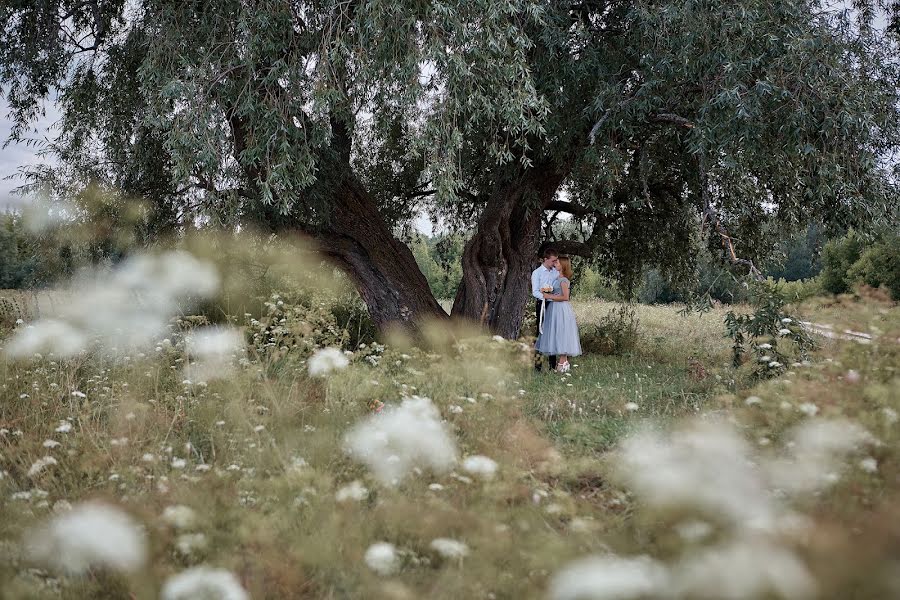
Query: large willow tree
{"points": [[668, 124]]}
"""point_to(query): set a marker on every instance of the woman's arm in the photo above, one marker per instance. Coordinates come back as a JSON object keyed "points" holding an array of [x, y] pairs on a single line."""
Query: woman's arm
{"points": [[564, 297]]}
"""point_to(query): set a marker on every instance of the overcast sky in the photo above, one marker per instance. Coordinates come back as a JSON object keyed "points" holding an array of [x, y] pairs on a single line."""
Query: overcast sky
{"points": [[14, 156]]}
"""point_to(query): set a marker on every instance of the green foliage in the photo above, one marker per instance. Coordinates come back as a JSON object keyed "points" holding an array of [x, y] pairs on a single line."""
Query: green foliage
{"points": [[852, 260], [591, 284], [440, 260], [879, 265], [614, 334], [768, 336], [837, 257]]}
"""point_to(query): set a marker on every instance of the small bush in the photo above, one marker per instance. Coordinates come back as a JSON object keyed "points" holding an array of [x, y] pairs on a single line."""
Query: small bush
{"points": [[798, 291], [837, 258], [879, 266], [616, 333]]}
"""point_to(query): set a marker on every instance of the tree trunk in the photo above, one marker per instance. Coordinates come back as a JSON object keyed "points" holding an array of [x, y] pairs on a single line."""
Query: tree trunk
{"points": [[497, 261], [382, 267]]}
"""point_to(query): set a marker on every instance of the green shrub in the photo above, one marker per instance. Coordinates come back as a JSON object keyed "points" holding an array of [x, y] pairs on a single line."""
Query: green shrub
{"points": [[798, 291], [591, 284], [837, 257], [616, 333], [879, 266]]}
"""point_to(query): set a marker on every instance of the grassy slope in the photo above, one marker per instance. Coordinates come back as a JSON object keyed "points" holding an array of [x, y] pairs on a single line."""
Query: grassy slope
{"points": [[278, 527]]}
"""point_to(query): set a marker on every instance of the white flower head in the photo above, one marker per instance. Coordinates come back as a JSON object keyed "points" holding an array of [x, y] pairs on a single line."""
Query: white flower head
{"points": [[354, 490], [631, 406], [41, 464], [399, 439], [481, 466], [610, 578], [449, 548], [201, 583], [784, 331], [869, 465], [382, 558], [809, 409], [327, 360], [179, 516], [89, 535]]}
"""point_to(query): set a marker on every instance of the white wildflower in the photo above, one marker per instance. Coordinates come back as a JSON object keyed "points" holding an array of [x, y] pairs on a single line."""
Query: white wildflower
{"points": [[868, 464], [50, 444], [852, 376], [753, 400], [179, 516], [190, 543], [610, 578], [47, 335], [814, 449], [89, 535], [326, 360], [455, 409], [400, 438], [203, 582], [449, 548], [631, 406], [178, 463], [783, 332], [787, 320], [382, 558], [704, 466], [765, 346], [809, 409], [481, 466], [741, 571], [890, 415], [41, 464], [64, 427], [354, 490]]}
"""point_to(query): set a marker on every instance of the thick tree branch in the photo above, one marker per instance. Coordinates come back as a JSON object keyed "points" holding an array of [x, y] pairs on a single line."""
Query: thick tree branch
{"points": [[568, 207]]}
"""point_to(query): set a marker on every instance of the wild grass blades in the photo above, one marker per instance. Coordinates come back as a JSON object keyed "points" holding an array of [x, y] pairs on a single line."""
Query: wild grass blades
{"points": [[242, 484]]}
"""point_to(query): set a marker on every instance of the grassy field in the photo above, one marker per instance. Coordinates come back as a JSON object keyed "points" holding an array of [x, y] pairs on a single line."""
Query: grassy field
{"points": [[256, 464]]}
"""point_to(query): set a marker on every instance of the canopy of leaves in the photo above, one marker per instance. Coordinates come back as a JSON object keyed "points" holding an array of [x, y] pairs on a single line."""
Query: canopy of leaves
{"points": [[664, 116]]}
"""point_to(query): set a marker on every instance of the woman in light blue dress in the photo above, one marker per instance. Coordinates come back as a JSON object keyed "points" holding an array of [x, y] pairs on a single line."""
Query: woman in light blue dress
{"points": [[559, 335]]}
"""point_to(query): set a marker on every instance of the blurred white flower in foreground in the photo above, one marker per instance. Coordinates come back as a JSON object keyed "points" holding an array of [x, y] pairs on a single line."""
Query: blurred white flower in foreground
{"points": [[705, 466], [326, 360], [449, 548], [743, 570], [202, 583], [212, 350], [88, 535], [814, 452], [610, 578], [48, 335], [179, 516], [382, 558], [482, 466], [400, 438], [352, 491], [125, 308]]}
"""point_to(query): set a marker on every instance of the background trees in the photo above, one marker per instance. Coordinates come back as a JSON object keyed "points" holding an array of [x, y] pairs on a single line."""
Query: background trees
{"points": [[668, 125]]}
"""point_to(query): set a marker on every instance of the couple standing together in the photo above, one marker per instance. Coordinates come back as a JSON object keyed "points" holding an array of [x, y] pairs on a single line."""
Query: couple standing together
{"points": [[557, 330]]}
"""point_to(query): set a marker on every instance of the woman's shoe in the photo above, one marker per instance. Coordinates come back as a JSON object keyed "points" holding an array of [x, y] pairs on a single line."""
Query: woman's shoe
{"points": [[563, 367]]}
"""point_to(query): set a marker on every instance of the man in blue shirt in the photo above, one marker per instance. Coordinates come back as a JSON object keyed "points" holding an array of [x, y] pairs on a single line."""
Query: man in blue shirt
{"points": [[545, 275]]}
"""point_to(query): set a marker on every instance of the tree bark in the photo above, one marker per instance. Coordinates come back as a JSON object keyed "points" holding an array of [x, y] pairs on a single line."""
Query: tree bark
{"points": [[382, 267], [497, 261]]}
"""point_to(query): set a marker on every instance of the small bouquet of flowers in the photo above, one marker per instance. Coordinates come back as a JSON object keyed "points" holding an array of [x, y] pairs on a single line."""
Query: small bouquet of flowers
{"points": [[547, 289]]}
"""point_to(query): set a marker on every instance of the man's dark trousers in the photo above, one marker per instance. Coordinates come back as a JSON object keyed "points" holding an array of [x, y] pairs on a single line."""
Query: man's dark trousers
{"points": [[539, 360]]}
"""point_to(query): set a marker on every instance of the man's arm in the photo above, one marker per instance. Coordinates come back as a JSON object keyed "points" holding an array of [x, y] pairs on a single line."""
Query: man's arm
{"points": [[536, 284]]}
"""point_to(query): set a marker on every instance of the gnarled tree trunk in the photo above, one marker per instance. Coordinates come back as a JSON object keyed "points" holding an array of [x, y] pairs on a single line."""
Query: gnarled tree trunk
{"points": [[497, 261], [382, 267]]}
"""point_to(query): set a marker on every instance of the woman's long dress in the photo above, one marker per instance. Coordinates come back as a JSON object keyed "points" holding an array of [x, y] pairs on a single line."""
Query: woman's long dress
{"points": [[560, 336]]}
